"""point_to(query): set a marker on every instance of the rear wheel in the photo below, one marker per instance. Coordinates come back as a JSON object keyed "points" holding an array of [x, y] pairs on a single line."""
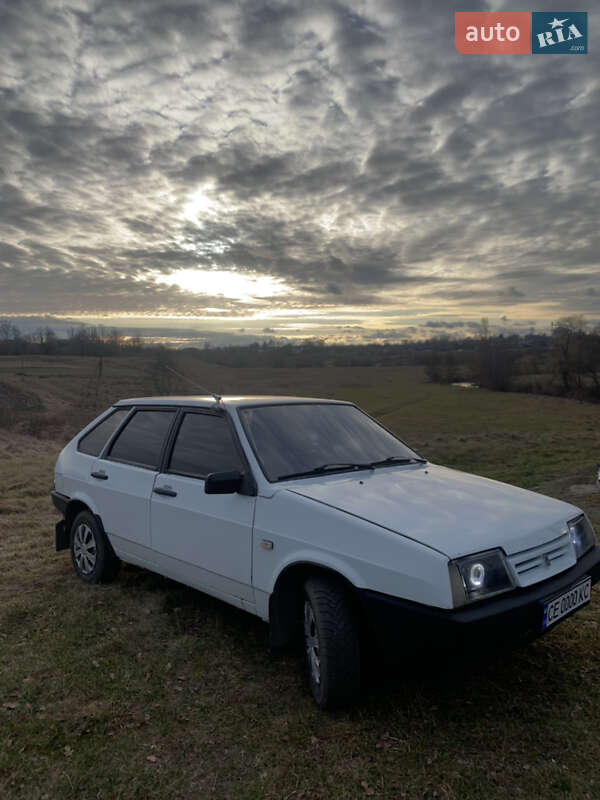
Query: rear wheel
{"points": [[331, 644], [93, 558]]}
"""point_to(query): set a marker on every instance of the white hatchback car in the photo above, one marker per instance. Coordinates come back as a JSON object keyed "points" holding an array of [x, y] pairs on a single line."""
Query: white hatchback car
{"points": [[313, 516]]}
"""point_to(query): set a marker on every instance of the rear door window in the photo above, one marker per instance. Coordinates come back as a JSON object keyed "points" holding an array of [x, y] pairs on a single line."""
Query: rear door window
{"points": [[141, 441], [92, 443], [204, 444]]}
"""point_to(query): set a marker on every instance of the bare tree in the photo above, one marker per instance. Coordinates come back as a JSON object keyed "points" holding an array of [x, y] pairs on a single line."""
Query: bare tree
{"points": [[568, 334]]}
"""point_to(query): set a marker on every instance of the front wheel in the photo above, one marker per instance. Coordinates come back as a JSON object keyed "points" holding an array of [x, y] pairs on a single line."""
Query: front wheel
{"points": [[93, 558], [331, 644]]}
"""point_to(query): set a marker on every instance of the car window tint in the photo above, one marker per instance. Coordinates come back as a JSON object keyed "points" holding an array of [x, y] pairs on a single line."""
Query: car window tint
{"points": [[92, 443], [204, 444], [303, 436], [142, 438]]}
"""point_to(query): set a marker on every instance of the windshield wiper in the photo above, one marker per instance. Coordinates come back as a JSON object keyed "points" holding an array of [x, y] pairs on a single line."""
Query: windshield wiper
{"points": [[335, 467], [397, 460], [326, 468]]}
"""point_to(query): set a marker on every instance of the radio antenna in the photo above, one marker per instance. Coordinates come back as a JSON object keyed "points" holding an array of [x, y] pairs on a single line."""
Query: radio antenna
{"points": [[217, 397]]}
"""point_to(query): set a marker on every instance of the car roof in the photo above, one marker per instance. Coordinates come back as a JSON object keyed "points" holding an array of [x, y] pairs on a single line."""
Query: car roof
{"points": [[228, 400]]}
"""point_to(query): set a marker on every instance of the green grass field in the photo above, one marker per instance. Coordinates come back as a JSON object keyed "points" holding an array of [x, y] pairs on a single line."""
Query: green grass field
{"points": [[147, 689]]}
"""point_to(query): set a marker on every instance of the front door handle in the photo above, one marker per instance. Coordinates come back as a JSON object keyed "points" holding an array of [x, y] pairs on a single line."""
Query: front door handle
{"points": [[165, 490], [101, 476]]}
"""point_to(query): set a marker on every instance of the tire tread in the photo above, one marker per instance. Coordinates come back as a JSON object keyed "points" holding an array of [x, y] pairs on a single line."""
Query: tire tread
{"points": [[339, 644]]}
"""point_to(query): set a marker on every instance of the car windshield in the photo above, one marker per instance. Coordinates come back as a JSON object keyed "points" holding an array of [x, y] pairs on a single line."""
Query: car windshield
{"points": [[312, 438]]}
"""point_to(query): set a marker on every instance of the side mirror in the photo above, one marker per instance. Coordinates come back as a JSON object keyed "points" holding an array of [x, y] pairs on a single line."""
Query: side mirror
{"points": [[223, 482]]}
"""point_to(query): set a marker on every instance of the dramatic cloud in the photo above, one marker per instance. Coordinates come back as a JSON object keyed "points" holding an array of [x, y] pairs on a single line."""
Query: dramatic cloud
{"points": [[319, 168]]}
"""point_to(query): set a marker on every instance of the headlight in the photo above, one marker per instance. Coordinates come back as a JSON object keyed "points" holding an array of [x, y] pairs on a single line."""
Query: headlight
{"points": [[582, 535], [478, 576]]}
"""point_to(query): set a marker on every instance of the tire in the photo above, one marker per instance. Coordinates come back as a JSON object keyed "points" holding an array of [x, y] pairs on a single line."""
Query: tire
{"points": [[92, 556], [331, 644]]}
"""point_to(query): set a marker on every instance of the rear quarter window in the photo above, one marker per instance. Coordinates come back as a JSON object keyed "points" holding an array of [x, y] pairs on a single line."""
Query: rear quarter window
{"points": [[92, 442]]}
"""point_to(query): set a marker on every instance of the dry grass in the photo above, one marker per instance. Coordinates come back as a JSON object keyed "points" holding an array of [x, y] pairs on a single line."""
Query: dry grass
{"points": [[146, 689]]}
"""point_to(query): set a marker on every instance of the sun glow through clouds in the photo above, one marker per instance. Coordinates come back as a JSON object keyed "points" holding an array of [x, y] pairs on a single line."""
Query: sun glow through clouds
{"points": [[201, 204], [225, 283]]}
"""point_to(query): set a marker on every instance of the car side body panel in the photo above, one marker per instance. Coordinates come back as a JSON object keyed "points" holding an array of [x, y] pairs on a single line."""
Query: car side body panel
{"points": [[302, 530], [209, 535], [124, 499], [72, 476]]}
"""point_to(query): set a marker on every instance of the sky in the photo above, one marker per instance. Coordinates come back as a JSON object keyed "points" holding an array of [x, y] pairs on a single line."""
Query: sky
{"points": [[238, 170]]}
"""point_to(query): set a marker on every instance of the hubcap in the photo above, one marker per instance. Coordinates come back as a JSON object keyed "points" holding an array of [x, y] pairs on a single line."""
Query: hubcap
{"points": [[311, 642], [84, 548]]}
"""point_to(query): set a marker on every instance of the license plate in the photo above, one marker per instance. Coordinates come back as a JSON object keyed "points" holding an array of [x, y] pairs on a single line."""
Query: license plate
{"points": [[560, 606]]}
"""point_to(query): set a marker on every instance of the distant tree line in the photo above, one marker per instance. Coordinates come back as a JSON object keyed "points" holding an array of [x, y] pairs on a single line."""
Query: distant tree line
{"points": [[564, 362], [306, 353], [90, 340]]}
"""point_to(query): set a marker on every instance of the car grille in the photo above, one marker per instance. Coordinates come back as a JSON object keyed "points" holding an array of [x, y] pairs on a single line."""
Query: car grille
{"points": [[538, 563]]}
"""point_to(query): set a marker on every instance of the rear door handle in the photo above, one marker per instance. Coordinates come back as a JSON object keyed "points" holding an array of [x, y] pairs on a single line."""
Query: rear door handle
{"points": [[101, 476], [165, 490]]}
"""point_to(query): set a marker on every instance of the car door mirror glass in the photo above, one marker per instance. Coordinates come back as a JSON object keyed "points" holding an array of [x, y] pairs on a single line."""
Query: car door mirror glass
{"points": [[223, 482]]}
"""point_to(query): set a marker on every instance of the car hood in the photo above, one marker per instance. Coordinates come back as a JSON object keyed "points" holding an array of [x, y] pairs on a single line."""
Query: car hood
{"points": [[453, 512]]}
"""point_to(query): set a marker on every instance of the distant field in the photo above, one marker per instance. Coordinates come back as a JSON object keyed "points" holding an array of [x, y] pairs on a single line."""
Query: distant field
{"points": [[146, 689]]}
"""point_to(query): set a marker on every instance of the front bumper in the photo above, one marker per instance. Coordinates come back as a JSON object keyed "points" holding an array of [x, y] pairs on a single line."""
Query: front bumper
{"points": [[398, 625]]}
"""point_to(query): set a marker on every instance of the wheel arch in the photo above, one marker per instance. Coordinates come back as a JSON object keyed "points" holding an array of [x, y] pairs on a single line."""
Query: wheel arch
{"points": [[75, 507], [285, 601]]}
